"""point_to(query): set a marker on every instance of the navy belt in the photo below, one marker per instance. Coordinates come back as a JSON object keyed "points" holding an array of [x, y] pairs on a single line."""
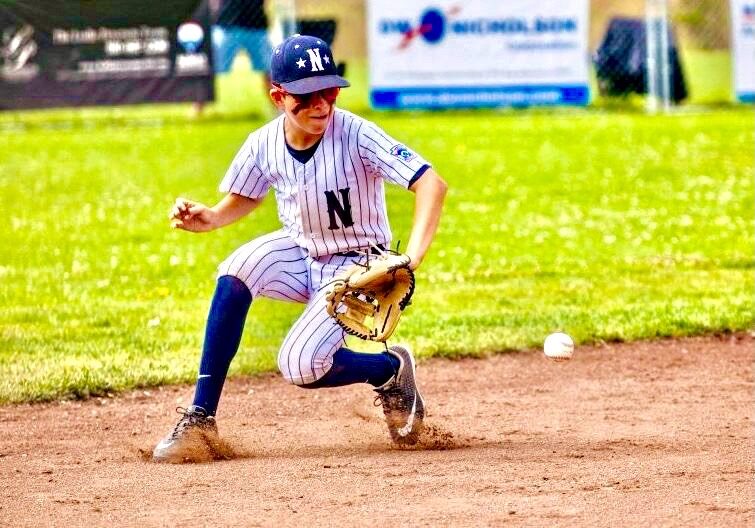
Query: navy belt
{"points": [[373, 250]]}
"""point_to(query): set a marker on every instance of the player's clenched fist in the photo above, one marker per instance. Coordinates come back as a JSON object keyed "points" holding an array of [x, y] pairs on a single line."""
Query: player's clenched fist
{"points": [[191, 216]]}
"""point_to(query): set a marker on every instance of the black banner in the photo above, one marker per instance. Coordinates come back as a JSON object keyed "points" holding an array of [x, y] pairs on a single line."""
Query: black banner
{"points": [[57, 53]]}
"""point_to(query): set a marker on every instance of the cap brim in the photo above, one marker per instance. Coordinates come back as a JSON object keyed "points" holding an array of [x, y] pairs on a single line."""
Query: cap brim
{"points": [[313, 84]]}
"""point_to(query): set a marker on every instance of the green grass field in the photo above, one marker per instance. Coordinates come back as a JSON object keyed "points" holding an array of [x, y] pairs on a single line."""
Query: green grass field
{"points": [[608, 225]]}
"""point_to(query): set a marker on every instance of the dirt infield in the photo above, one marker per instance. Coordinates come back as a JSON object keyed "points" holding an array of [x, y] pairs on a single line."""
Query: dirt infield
{"points": [[644, 434]]}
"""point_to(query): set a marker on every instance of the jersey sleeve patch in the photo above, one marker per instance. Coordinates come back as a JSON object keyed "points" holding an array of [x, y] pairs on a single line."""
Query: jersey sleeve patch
{"points": [[386, 157], [401, 152]]}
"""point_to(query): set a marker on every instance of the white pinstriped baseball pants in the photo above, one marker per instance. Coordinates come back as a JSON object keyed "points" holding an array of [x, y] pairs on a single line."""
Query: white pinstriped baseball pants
{"points": [[275, 266]]}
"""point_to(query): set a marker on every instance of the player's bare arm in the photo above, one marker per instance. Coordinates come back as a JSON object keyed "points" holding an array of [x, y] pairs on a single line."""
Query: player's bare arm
{"points": [[198, 218], [430, 191]]}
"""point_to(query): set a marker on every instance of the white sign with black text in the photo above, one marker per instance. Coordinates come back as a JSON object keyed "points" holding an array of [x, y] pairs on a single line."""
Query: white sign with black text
{"points": [[478, 53]]}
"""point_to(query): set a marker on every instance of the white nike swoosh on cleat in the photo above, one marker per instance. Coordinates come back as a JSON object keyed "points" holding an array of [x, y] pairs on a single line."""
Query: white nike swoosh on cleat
{"points": [[408, 427], [164, 444]]}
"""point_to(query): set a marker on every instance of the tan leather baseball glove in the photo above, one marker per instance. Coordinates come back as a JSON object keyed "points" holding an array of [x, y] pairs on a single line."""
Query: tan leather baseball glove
{"points": [[367, 299]]}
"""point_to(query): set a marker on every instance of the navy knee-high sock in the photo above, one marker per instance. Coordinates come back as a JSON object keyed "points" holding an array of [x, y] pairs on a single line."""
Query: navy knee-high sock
{"points": [[225, 324], [357, 367]]}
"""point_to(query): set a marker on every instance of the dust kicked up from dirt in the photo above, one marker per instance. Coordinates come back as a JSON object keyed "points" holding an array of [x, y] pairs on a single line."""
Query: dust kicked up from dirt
{"points": [[202, 452], [435, 437], [650, 433]]}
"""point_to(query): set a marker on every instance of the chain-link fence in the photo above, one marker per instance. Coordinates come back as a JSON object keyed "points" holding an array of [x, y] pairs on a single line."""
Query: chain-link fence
{"points": [[699, 36], [699, 39], [619, 58]]}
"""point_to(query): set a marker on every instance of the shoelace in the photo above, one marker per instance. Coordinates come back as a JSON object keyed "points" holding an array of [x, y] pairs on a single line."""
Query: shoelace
{"points": [[189, 418], [385, 395]]}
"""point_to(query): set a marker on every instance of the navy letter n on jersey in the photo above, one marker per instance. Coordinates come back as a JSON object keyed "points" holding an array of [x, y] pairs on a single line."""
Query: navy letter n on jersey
{"points": [[335, 202]]}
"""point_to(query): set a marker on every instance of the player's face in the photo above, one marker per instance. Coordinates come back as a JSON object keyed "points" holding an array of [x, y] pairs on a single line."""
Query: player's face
{"points": [[310, 112]]}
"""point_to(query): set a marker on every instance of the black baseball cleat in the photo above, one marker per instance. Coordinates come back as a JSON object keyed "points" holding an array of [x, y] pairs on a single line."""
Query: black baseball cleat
{"points": [[402, 403], [193, 439]]}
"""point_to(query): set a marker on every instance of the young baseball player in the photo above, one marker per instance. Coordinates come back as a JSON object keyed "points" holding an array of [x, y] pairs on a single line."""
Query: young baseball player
{"points": [[327, 168]]}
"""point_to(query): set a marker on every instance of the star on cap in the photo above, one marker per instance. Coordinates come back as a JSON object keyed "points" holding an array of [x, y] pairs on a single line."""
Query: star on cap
{"points": [[301, 63], [326, 59], [297, 47]]}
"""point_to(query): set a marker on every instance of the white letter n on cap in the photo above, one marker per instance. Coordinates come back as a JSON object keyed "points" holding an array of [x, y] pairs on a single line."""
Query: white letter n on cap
{"points": [[315, 60]]}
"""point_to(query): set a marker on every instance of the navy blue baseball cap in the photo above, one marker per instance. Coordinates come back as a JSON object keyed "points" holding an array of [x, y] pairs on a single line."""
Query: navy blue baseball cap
{"points": [[303, 64]]}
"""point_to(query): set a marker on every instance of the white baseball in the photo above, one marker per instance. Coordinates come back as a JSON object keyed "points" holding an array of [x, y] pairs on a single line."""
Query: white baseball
{"points": [[558, 347]]}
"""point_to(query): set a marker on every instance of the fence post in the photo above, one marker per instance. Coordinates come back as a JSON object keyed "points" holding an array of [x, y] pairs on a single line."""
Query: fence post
{"points": [[284, 12], [658, 71]]}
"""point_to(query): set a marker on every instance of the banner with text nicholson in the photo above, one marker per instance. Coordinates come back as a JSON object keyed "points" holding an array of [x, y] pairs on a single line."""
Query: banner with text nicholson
{"points": [[478, 53]]}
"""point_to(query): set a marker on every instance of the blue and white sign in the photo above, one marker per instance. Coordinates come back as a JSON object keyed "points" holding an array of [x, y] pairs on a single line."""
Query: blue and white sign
{"points": [[478, 53], [743, 44]]}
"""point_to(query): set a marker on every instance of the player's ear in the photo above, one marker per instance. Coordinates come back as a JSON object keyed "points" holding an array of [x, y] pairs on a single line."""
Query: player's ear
{"points": [[277, 97]]}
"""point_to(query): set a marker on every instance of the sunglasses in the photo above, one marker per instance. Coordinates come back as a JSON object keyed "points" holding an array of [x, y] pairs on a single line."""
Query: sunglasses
{"points": [[329, 94]]}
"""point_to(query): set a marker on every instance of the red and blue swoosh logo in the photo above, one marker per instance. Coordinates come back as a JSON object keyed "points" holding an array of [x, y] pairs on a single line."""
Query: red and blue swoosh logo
{"points": [[431, 27]]}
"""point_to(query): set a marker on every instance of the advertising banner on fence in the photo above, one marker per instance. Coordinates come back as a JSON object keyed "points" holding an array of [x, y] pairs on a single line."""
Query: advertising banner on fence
{"points": [[75, 53], [478, 53], [743, 48]]}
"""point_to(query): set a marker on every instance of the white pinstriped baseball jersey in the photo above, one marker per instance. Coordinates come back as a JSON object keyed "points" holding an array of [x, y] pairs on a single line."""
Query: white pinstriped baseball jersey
{"points": [[335, 202]]}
